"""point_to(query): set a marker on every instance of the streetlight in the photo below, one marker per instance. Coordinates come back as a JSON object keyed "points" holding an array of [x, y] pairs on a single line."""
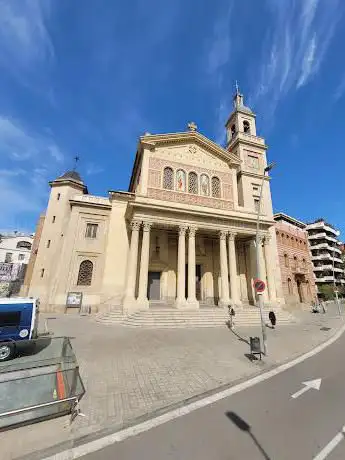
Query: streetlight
{"points": [[258, 271], [335, 290]]}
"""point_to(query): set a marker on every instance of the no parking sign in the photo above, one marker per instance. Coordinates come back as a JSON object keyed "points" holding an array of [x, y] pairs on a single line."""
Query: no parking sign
{"points": [[259, 285]]}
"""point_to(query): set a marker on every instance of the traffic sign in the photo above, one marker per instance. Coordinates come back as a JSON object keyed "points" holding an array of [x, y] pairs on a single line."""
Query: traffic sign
{"points": [[259, 285]]}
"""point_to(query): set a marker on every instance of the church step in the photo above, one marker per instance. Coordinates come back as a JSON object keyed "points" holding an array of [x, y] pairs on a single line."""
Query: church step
{"points": [[197, 318], [168, 317]]}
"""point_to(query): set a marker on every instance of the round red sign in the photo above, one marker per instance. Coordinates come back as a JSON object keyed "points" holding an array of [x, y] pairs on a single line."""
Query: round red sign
{"points": [[259, 285]]}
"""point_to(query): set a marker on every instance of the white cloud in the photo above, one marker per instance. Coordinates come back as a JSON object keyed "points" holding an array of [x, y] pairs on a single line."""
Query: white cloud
{"points": [[24, 188], [308, 62], [24, 37], [340, 89], [294, 49], [18, 143], [219, 51], [218, 54], [93, 169], [56, 153]]}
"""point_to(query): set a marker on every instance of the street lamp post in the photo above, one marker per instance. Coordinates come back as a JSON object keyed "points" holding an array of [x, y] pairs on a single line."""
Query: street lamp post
{"points": [[258, 268], [335, 290]]}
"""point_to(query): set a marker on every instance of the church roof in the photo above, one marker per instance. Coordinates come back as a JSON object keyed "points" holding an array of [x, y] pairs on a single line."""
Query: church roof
{"points": [[244, 108], [71, 175]]}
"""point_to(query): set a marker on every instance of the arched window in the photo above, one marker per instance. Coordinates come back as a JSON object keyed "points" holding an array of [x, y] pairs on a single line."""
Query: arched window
{"points": [[180, 180], [85, 273], [168, 178], [246, 127], [204, 185], [215, 187], [286, 260], [295, 261], [192, 183], [289, 286], [24, 244], [233, 130], [304, 263]]}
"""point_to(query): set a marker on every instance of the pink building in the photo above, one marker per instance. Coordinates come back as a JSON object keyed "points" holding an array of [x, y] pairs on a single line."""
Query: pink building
{"points": [[296, 266]]}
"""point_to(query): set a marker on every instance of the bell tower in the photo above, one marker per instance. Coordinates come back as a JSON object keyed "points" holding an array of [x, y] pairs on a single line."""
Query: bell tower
{"points": [[241, 120], [243, 141]]}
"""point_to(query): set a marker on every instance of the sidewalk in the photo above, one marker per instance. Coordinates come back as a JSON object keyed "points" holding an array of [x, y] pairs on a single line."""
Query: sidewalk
{"points": [[131, 373]]}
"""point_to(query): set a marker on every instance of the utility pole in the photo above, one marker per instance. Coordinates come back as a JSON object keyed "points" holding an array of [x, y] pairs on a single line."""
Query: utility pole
{"points": [[258, 268], [335, 290]]}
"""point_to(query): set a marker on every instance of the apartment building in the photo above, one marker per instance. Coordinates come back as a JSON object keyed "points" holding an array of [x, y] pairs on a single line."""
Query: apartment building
{"points": [[326, 254]]}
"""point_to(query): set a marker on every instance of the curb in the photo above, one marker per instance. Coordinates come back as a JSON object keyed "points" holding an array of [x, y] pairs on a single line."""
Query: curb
{"points": [[78, 447]]}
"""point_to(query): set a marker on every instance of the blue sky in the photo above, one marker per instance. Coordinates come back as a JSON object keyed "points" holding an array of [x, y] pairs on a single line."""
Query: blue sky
{"points": [[89, 77]]}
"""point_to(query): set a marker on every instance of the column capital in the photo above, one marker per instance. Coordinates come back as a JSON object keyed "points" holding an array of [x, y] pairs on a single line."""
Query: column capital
{"points": [[135, 224], [182, 229], [192, 231], [261, 239], [267, 239], [147, 226], [232, 236], [222, 234]]}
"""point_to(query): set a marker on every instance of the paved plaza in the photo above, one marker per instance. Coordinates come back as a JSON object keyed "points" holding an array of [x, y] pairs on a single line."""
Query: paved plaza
{"points": [[131, 373]]}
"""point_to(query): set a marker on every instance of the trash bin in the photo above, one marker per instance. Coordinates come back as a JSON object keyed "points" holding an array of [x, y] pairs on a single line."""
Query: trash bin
{"points": [[255, 346]]}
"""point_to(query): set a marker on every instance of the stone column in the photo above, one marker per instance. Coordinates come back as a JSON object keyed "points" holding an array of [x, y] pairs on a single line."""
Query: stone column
{"points": [[191, 301], [181, 268], [234, 288], [142, 300], [263, 274], [224, 297], [270, 266], [129, 300]]}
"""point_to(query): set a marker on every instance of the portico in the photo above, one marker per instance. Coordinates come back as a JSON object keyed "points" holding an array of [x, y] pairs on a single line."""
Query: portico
{"points": [[191, 264]]}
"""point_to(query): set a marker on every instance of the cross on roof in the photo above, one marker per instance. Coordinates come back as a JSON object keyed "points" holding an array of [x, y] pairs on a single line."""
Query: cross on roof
{"points": [[192, 126], [76, 159]]}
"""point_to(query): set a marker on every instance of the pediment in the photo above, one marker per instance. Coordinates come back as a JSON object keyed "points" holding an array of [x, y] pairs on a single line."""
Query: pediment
{"points": [[190, 148]]}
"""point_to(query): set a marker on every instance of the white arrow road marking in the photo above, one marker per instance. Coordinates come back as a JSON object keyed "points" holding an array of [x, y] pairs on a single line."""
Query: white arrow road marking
{"points": [[331, 445], [307, 386]]}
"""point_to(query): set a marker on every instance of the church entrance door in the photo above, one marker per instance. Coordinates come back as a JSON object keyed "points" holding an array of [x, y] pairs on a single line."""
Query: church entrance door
{"points": [[154, 286]]}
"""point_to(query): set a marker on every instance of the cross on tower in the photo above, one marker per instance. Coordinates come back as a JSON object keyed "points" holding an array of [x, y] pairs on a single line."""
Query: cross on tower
{"points": [[76, 159]]}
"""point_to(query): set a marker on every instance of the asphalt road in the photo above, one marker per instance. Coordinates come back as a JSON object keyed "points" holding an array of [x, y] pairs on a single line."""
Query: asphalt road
{"points": [[262, 422]]}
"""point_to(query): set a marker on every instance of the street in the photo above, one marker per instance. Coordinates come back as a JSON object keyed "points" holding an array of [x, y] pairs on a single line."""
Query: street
{"points": [[262, 422]]}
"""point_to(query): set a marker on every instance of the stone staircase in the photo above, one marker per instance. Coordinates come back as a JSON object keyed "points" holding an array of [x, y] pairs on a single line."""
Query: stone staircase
{"points": [[113, 316], [204, 317]]}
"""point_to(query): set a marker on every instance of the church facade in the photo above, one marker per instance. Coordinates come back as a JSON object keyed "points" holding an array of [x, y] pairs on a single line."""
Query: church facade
{"points": [[183, 235]]}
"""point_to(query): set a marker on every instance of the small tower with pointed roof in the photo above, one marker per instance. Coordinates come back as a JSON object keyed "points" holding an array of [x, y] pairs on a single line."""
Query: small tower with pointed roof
{"points": [[241, 120], [56, 219]]}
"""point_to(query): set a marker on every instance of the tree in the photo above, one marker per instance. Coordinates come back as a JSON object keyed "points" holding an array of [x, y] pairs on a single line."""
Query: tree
{"points": [[326, 291]]}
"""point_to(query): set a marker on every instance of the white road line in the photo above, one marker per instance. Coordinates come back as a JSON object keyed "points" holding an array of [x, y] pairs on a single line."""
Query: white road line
{"points": [[93, 446], [330, 446]]}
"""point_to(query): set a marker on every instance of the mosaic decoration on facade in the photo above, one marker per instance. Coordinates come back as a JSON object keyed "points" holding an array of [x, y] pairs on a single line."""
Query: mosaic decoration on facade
{"points": [[170, 195], [181, 180]]}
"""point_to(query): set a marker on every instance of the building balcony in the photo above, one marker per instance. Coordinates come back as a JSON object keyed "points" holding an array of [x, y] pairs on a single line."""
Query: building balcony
{"points": [[322, 226], [321, 236], [326, 256], [328, 267], [317, 236], [324, 279], [325, 245]]}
